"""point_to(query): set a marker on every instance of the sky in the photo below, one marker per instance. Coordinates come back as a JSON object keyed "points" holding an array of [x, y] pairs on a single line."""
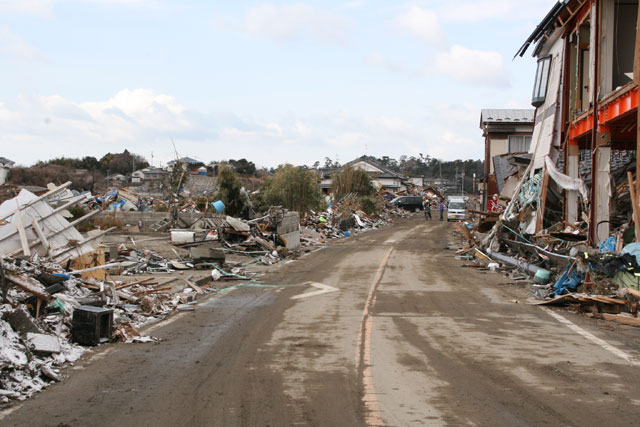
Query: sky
{"points": [[273, 82]]}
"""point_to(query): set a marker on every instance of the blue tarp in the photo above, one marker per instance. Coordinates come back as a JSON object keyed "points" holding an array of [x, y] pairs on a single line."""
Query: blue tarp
{"points": [[608, 245], [569, 281]]}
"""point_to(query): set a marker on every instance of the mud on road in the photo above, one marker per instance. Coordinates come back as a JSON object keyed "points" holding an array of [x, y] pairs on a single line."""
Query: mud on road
{"points": [[410, 338]]}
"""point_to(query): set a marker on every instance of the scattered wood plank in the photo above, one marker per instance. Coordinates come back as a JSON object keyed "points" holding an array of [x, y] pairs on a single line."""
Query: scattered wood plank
{"points": [[41, 236], [29, 284], [626, 320], [21, 232], [609, 300], [634, 204], [634, 292], [152, 291], [195, 287], [137, 282]]}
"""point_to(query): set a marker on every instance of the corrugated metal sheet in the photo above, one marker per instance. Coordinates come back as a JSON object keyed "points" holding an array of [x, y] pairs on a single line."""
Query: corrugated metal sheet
{"points": [[488, 115]]}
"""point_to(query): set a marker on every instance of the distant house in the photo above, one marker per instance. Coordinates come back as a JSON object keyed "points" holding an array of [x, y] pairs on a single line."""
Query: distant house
{"points": [[148, 175], [417, 180], [5, 165], [116, 179], [505, 131], [381, 177], [186, 160], [443, 185]]}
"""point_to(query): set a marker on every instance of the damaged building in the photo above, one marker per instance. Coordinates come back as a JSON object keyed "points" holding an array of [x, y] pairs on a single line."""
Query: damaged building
{"points": [[569, 213], [585, 131], [506, 132]]}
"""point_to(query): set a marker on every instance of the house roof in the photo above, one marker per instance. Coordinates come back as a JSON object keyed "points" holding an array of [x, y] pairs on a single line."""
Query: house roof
{"points": [[510, 115], [152, 170], [545, 27], [386, 173], [185, 160], [5, 160]]}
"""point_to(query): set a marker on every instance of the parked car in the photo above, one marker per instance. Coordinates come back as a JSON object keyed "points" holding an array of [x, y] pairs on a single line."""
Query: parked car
{"points": [[456, 209], [409, 203]]}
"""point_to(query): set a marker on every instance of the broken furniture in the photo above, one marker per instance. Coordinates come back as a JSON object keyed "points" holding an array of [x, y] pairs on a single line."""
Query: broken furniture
{"points": [[91, 325]]}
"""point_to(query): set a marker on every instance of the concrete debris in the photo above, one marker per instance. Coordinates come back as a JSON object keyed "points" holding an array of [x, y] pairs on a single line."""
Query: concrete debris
{"points": [[42, 343]]}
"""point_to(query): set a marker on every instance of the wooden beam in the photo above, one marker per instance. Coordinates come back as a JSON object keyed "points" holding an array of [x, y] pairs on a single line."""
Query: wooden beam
{"points": [[23, 235], [42, 218], [44, 196], [41, 236], [636, 79], [542, 201], [634, 204], [55, 233], [80, 244], [29, 284], [626, 320]]}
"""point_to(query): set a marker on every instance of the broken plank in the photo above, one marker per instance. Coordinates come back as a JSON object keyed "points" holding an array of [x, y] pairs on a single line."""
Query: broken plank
{"points": [[21, 232], [41, 236], [634, 292], [626, 320], [195, 287], [28, 284], [608, 300], [137, 282]]}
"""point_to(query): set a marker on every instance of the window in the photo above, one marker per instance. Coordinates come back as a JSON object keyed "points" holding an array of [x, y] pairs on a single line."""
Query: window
{"points": [[542, 79], [519, 143]]}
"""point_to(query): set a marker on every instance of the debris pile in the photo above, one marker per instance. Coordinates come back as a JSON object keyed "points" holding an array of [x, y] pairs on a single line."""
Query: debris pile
{"points": [[565, 262], [61, 291]]}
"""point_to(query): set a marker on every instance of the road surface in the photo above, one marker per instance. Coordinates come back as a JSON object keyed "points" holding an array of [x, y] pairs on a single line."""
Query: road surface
{"points": [[409, 338]]}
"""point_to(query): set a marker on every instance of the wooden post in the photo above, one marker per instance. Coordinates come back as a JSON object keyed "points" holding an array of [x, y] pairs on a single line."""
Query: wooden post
{"points": [[634, 204], [542, 200], [636, 79], [41, 236], [23, 235]]}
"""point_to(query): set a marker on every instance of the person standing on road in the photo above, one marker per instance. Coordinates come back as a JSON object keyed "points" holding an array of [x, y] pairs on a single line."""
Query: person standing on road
{"points": [[441, 210], [426, 205]]}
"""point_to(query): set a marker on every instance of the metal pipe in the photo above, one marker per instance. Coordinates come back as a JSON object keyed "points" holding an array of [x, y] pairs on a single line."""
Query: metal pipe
{"points": [[523, 266]]}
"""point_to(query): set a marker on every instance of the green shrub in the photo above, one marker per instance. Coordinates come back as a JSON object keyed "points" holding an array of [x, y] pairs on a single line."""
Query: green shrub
{"points": [[76, 211], [293, 188], [351, 181]]}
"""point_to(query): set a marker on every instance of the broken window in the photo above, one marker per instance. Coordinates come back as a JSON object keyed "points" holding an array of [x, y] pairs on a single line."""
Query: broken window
{"points": [[519, 143], [626, 13], [541, 82]]}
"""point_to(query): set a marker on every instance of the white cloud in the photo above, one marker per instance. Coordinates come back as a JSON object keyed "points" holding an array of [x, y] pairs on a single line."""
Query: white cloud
{"points": [[45, 7], [144, 121], [291, 22], [459, 116], [15, 47], [472, 66], [26, 7], [423, 24], [376, 59]]}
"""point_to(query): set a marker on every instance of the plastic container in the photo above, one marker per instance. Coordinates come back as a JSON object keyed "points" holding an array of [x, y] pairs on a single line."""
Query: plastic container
{"points": [[218, 205], [542, 276]]}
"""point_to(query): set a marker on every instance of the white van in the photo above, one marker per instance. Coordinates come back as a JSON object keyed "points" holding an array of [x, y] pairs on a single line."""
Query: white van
{"points": [[456, 209]]}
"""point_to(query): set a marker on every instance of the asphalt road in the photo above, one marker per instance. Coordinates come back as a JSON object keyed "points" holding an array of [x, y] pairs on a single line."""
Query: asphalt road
{"points": [[409, 338]]}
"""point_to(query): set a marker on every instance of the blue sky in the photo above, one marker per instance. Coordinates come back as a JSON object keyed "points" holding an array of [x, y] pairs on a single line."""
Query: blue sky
{"points": [[272, 82]]}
